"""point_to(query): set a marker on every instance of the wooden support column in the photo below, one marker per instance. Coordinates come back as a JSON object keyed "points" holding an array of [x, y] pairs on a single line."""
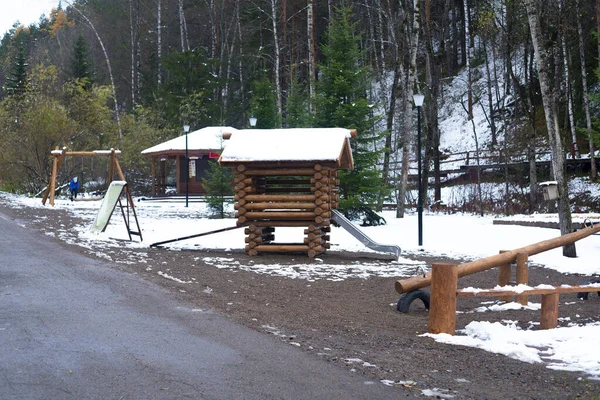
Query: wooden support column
{"points": [[442, 306], [504, 274], [154, 180], [549, 311], [52, 184], [111, 169], [522, 275]]}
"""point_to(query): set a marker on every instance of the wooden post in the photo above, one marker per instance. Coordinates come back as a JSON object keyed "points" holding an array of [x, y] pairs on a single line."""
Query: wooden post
{"points": [[154, 181], [52, 183], [549, 311], [522, 275], [442, 306], [111, 169], [504, 274]]}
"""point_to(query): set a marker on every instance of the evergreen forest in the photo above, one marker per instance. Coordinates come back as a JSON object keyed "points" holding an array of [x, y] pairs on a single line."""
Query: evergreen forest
{"points": [[128, 74]]}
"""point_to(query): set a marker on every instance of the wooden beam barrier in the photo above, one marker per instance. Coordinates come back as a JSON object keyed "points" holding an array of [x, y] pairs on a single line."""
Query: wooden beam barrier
{"points": [[550, 298], [418, 282]]}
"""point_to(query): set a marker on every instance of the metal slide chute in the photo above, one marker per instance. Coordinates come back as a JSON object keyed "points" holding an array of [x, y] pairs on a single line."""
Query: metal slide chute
{"points": [[345, 223]]}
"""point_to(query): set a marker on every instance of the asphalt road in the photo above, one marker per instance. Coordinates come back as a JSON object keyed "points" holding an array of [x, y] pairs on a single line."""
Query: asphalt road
{"points": [[72, 327]]}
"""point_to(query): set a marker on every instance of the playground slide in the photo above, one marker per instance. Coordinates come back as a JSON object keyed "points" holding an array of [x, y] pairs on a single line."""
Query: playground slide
{"points": [[345, 223], [107, 206]]}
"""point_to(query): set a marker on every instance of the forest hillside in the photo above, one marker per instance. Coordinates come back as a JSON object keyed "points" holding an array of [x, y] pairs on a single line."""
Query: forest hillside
{"points": [[506, 83]]}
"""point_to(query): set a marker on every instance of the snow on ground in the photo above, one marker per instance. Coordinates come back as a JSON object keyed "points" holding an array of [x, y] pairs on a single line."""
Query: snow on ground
{"points": [[456, 236]]}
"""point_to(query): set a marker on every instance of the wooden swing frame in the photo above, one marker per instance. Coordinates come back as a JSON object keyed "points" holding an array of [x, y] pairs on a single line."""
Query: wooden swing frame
{"points": [[61, 154]]}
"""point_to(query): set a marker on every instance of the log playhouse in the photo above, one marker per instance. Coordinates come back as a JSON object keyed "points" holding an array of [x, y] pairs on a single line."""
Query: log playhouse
{"points": [[287, 178], [444, 282]]}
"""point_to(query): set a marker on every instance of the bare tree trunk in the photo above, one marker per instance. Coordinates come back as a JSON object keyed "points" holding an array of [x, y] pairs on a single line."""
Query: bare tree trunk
{"points": [[132, 43], [310, 23], [277, 57], [585, 94], [469, 49], [408, 122], [185, 44], [568, 92], [110, 74], [433, 83], [549, 102], [241, 55], [489, 92], [159, 42]]}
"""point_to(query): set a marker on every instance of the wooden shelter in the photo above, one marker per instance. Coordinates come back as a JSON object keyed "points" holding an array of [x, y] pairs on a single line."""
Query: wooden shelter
{"points": [[203, 146], [287, 178]]}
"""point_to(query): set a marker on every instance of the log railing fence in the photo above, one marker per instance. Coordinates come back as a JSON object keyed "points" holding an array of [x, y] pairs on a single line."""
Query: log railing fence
{"points": [[444, 294]]}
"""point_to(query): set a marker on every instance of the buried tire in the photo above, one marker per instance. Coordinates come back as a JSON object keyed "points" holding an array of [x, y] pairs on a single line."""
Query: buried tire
{"points": [[407, 299], [584, 295]]}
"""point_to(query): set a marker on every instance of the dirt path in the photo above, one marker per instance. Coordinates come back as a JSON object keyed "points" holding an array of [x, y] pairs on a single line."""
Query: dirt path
{"points": [[352, 323]]}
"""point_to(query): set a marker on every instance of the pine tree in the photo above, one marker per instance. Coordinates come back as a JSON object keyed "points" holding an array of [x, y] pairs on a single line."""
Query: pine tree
{"points": [[264, 104], [298, 108], [342, 102], [219, 190], [16, 81], [81, 67]]}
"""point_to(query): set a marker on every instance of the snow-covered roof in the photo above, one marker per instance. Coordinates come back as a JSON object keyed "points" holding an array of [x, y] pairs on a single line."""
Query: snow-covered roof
{"points": [[209, 138], [303, 145]]}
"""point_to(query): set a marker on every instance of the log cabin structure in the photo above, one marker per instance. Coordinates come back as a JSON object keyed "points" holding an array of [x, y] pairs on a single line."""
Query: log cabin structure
{"points": [[203, 147], [287, 178]]}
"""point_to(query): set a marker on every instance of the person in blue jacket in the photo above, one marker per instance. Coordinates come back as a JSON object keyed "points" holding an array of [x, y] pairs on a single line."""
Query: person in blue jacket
{"points": [[74, 188]]}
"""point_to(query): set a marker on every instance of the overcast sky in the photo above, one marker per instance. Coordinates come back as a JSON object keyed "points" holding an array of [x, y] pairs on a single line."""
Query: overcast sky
{"points": [[25, 11]]}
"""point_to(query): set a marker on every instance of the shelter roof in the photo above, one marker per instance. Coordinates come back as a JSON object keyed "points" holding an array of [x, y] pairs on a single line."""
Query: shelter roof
{"points": [[209, 139], [327, 146]]}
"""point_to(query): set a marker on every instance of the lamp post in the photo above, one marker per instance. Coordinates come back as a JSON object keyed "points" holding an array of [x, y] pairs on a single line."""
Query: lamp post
{"points": [[418, 99], [252, 121], [186, 129]]}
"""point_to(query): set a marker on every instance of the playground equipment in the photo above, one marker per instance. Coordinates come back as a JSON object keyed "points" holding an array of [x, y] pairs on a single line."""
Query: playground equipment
{"points": [[342, 221], [444, 283], [113, 194], [289, 178], [61, 154], [504, 259], [444, 292], [108, 205]]}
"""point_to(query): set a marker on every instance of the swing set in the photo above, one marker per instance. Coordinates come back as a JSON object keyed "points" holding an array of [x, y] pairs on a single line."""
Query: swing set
{"points": [[114, 192], [60, 156]]}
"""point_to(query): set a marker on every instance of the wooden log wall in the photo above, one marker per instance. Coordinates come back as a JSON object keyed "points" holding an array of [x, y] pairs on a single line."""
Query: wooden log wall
{"points": [[295, 196]]}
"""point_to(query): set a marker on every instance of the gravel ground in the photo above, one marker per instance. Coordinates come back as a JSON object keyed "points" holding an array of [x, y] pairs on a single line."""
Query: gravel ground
{"points": [[352, 323]]}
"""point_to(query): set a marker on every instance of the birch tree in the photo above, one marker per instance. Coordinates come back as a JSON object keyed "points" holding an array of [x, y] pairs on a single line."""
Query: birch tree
{"points": [[408, 122], [159, 41], [568, 89], [312, 58], [585, 93], [544, 68], [276, 56], [185, 44]]}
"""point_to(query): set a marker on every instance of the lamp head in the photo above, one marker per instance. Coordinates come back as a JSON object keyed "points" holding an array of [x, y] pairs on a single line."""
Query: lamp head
{"points": [[186, 128], [418, 99], [252, 121]]}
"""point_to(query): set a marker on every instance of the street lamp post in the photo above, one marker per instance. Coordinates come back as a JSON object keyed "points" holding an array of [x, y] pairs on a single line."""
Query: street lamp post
{"points": [[418, 99], [186, 129]]}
